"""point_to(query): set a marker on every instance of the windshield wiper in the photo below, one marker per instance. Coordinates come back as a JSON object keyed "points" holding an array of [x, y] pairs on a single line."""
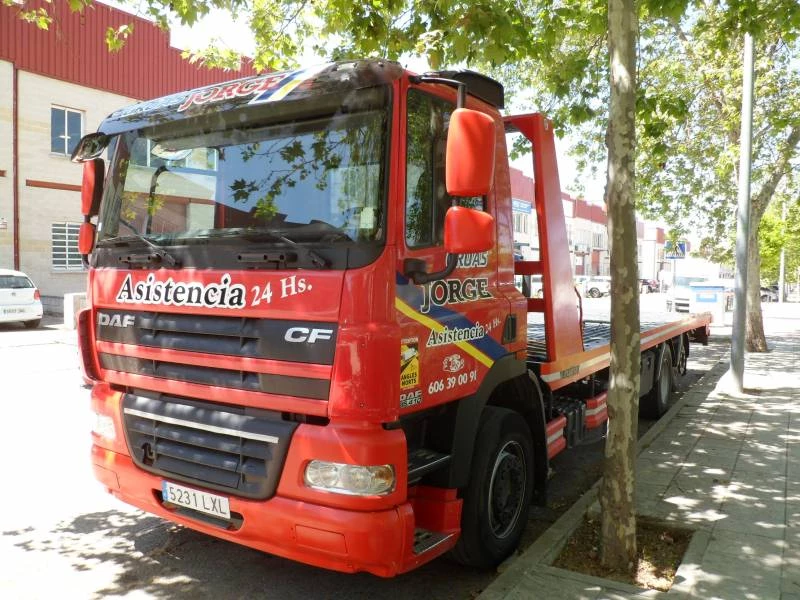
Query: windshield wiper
{"points": [[261, 235], [158, 253]]}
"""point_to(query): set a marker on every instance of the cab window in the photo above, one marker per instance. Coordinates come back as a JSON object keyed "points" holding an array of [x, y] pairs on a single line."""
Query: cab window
{"points": [[427, 199]]}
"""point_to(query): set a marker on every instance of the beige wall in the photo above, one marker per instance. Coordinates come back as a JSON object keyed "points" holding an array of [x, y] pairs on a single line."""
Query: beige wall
{"points": [[41, 207], [6, 149]]}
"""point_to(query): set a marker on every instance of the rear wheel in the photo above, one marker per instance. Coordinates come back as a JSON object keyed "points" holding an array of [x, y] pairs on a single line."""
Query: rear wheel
{"points": [[656, 402], [499, 494], [32, 324]]}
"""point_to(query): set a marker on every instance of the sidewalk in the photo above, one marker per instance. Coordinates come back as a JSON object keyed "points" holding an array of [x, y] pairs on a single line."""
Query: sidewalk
{"points": [[727, 467]]}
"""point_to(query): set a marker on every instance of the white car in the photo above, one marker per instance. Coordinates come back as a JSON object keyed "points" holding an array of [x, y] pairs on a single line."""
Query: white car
{"points": [[19, 299], [599, 285], [678, 296]]}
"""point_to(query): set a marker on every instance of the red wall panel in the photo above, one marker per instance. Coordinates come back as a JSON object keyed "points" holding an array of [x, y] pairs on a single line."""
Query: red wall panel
{"points": [[74, 50]]}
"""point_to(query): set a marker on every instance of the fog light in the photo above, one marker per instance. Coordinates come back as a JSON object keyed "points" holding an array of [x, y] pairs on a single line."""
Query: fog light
{"points": [[104, 427], [353, 480]]}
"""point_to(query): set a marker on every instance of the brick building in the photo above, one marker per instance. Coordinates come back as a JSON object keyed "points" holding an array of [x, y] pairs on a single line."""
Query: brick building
{"points": [[56, 86], [586, 229]]}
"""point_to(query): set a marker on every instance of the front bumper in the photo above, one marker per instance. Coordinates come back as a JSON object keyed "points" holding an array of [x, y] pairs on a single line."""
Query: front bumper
{"points": [[378, 542]]}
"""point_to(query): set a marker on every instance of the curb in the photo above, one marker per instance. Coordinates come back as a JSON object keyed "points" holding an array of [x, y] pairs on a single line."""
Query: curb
{"points": [[548, 545]]}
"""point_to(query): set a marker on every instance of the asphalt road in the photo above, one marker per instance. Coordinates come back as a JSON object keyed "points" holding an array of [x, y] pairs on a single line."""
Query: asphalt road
{"points": [[62, 536]]}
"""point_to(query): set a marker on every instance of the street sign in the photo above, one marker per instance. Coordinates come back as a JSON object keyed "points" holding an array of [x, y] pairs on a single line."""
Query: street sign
{"points": [[674, 249], [521, 206]]}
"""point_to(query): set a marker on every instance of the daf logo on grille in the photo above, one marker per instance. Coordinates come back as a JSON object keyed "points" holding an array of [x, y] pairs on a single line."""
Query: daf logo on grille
{"points": [[115, 320], [304, 334]]}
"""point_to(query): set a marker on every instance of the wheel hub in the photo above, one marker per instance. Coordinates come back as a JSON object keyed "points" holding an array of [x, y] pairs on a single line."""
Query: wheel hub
{"points": [[507, 489]]}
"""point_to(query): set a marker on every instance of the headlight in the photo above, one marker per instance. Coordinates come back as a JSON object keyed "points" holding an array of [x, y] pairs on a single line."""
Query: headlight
{"points": [[104, 427], [353, 480]]}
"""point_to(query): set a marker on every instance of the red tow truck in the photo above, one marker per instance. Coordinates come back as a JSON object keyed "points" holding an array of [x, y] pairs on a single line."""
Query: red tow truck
{"points": [[304, 333]]}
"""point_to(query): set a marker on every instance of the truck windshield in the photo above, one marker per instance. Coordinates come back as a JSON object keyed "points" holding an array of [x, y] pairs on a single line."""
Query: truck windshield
{"points": [[313, 179]]}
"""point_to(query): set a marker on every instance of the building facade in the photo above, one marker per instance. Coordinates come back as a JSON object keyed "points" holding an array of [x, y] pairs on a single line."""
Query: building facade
{"points": [[587, 232], [56, 86]]}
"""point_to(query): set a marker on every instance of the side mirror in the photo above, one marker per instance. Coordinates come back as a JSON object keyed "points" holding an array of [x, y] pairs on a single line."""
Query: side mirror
{"points": [[92, 186], [470, 153], [467, 230], [91, 193], [86, 238], [90, 146]]}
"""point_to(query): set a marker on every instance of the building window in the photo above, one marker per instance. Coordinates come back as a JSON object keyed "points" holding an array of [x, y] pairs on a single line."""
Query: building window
{"points": [[520, 223], [66, 126], [64, 250], [599, 241]]}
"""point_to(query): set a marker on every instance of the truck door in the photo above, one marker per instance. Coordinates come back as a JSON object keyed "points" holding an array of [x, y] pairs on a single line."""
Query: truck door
{"points": [[450, 328]]}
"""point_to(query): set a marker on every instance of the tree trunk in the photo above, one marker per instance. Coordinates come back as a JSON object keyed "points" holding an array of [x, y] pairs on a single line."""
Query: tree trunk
{"points": [[618, 543], [755, 340]]}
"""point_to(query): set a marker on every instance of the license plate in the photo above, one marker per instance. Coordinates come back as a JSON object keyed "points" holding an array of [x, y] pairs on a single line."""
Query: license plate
{"points": [[13, 311], [210, 504]]}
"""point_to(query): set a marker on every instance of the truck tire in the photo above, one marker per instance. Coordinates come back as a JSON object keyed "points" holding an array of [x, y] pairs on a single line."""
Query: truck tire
{"points": [[498, 497], [656, 402]]}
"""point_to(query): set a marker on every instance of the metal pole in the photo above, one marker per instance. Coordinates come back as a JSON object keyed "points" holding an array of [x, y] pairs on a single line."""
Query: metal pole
{"points": [[743, 220], [782, 267]]}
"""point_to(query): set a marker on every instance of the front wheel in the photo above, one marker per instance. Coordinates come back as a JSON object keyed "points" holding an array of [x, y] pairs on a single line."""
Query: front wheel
{"points": [[498, 497]]}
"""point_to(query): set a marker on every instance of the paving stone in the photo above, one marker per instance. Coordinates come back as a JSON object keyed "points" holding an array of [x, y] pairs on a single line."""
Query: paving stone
{"points": [[761, 527], [738, 589], [738, 544], [553, 587], [768, 516], [732, 568], [655, 476]]}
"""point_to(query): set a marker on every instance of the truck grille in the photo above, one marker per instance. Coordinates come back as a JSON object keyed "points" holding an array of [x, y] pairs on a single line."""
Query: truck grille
{"points": [[158, 345], [232, 450]]}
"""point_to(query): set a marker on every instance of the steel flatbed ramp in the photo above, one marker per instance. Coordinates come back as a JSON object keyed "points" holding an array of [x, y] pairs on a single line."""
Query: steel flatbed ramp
{"points": [[654, 328]]}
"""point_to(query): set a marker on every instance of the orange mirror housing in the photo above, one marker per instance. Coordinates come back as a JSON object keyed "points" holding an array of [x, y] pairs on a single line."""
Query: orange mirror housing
{"points": [[470, 153], [467, 230], [92, 186], [86, 238]]}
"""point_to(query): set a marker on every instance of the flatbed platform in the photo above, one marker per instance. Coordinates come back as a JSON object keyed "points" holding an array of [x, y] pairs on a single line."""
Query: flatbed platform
{"points": [[597, 331]]}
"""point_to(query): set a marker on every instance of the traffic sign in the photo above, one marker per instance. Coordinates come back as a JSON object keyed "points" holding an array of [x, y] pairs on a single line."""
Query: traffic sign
{"points": [[674, 249]]}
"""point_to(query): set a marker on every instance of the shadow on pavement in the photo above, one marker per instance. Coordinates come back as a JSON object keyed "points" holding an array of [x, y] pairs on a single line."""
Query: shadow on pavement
{"points": [[138, 553]]}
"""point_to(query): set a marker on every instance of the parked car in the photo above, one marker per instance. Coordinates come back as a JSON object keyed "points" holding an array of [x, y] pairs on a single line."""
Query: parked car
{"points": [[19, 299], [648, 286], [680, 293], [529, 285], [597, 286], [769, 294]]}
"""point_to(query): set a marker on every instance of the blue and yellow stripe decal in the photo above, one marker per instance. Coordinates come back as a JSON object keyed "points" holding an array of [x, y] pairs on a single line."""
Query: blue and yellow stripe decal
{"points": [[409, 296], [438, 327], [285, 87]]}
